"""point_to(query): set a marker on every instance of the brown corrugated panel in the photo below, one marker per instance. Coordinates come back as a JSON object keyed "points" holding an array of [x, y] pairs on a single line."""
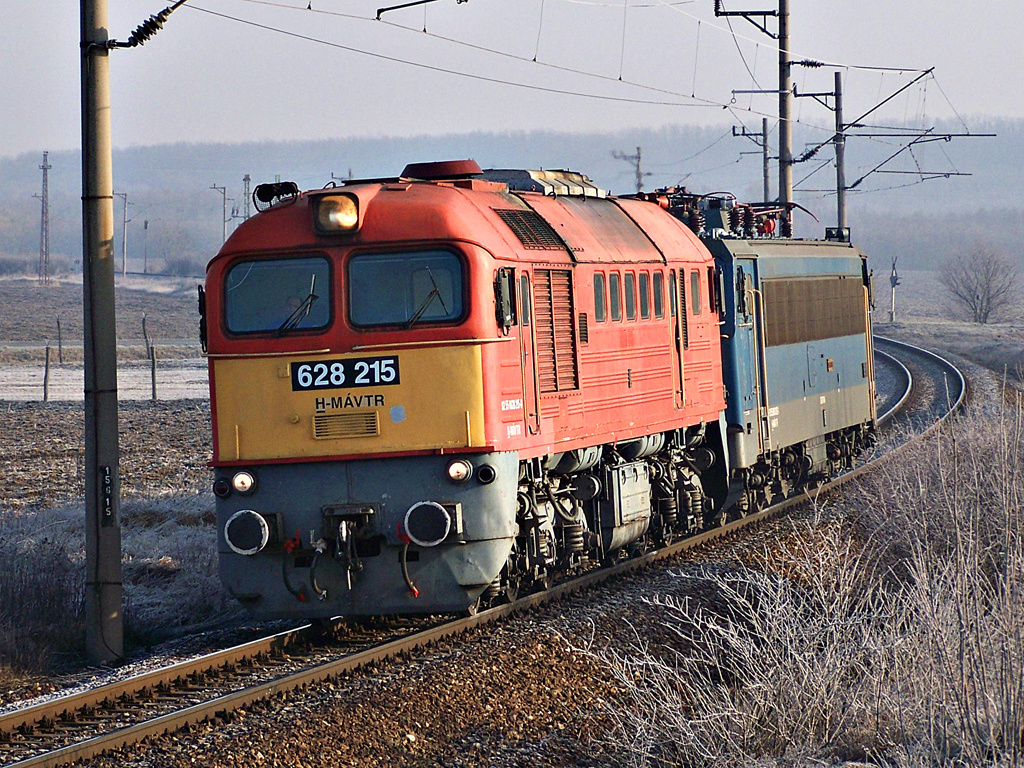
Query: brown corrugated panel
{"points": [[556, 337], [801, 309]]}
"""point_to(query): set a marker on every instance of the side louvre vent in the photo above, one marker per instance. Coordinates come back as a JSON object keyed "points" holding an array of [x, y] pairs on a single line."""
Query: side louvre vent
{"points": [[584, 329], [556, 337], [683, 320], [531, 229], [334, 426]]}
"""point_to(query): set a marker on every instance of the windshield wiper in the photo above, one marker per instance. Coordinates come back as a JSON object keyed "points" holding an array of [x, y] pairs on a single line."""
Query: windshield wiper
{"points": [[300, 312], [435, 292]]}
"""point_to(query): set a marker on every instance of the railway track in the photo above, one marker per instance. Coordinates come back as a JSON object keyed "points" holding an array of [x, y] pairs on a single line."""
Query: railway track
{"points": [[80, 726]]}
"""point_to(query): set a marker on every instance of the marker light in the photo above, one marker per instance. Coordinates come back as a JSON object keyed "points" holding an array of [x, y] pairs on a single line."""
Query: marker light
{"points": [[243, 482], [336, 213], [459, 471]]}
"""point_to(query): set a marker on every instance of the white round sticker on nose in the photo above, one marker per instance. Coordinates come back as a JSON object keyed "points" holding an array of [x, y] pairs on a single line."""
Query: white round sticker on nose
{"points": [[398, 414]]}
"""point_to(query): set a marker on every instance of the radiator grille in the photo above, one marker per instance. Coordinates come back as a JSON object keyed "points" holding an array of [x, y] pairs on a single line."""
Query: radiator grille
{"points": [[532, 230], [683, 320], [556, 337], [333, 426]]}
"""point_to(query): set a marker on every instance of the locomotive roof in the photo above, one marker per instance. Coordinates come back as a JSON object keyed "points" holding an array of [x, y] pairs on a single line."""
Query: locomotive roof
{"points": [[566, 219]]}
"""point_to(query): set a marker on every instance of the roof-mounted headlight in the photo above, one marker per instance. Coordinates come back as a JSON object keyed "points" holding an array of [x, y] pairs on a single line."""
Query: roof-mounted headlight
{"points": [[336, 213]]}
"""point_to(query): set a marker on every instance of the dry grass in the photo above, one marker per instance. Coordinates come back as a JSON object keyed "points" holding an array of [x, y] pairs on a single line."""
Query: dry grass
{"points": [[895, 636], [168, 531], [169, 560], [32, 310]]}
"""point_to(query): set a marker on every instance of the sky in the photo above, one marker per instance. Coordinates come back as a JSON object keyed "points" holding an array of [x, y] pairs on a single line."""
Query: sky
{"points": [[244, 70]]}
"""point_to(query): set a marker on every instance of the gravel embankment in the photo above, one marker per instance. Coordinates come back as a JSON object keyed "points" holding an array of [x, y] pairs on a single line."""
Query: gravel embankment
{"points": [[529, 693]]}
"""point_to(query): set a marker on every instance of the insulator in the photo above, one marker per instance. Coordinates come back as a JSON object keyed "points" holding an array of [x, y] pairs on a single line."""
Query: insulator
{"points": [[787, 227], [148, 28], [695, 221], [572, 533], [749, 221]]}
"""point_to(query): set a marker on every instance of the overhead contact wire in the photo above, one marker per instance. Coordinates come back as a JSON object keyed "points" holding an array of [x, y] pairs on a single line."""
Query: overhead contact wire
{"points": [[457, 73], [540, 27], [622, 51]]}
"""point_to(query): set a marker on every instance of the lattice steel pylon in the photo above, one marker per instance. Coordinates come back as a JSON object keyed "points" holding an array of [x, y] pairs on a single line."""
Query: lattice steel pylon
{"points": [[44, 227]]}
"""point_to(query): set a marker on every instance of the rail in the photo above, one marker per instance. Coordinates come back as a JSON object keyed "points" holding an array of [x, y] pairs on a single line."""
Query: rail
{"points": [[83, 706]]}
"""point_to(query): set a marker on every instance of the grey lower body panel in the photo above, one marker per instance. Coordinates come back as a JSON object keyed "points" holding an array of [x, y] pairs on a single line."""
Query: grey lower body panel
{"points": [[305, 503]]}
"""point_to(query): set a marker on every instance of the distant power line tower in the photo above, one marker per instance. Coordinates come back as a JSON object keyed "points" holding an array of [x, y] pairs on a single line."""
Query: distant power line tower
{"points": [[634, 160], [44, 227]]}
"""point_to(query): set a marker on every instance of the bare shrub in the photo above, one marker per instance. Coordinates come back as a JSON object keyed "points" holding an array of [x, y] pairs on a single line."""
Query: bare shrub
{"points": [[984, 282], [183, 266], [895, 635], [956, 538], [16, 266], [169, 562], [770, 667], [42, 582]]}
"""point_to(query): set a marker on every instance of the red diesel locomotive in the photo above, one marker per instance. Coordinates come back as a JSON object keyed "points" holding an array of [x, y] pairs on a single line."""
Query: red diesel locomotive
{"points": [[436, 389]]}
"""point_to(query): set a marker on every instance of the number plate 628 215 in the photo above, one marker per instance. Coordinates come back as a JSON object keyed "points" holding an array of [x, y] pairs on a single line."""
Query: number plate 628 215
{"points": [[345, 374]]}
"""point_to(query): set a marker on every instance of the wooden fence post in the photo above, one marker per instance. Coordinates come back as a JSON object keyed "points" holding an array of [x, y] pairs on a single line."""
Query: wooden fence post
{"points": [[46, 374], [60, 343], [145, 335], [152, 369]]}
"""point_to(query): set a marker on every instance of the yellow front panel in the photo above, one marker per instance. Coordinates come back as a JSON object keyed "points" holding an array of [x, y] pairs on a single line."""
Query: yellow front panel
{"points": [[261, 415]]}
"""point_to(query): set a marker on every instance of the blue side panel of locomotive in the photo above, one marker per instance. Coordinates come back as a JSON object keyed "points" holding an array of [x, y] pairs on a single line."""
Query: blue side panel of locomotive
{"points": [[781, 394]]}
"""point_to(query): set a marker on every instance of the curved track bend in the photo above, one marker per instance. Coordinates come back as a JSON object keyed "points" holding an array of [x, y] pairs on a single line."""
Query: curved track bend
{"points": [[86, 724]]}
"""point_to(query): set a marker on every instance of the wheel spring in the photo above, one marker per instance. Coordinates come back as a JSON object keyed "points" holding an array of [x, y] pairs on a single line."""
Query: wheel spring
{"points": [[696, 503], [573, 536], [669, 511], [493, 589]]}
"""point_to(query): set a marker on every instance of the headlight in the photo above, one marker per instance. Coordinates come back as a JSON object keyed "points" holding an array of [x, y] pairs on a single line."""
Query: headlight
{"points": [[459, 471], [243, 482], [336, 213]]}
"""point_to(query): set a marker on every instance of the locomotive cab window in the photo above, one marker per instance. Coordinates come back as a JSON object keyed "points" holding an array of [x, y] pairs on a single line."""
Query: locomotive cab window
{"points": [[659, 294], [405, 289], [695, 291], [278, 295]]}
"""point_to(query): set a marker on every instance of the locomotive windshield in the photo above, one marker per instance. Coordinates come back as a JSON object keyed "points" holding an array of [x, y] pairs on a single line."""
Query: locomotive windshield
{"points": [[278, 295], [405, 288]]}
